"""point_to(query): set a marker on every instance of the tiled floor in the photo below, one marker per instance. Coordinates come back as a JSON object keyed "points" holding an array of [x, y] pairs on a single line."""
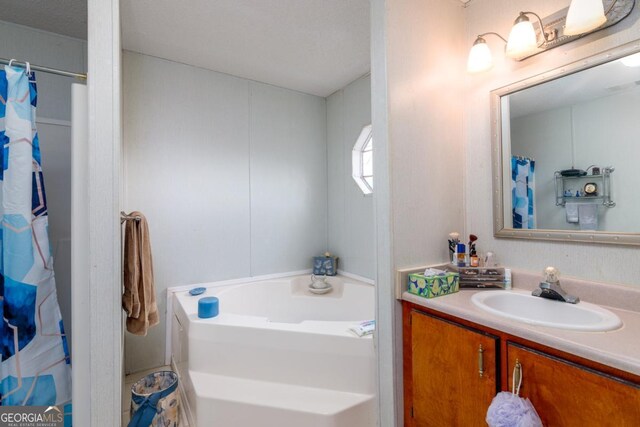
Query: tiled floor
{"points": [[129, 380]]}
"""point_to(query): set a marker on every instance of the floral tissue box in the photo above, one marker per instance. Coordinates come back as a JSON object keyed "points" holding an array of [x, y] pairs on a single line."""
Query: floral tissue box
{"points": [[434, 286]]}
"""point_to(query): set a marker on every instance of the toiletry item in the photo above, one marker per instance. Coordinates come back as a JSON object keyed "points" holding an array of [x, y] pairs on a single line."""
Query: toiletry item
{"points": [[595, 170], [461, 255], [364, 328], [490, 260], [571, 211], [474, 260], [197, 291], [454, 239], [208, 307], [573, 172], [507, 278]]}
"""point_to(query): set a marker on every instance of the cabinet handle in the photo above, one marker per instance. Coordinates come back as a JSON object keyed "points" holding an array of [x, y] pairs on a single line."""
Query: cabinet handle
{"points": [[517, 378], [481, 361]]}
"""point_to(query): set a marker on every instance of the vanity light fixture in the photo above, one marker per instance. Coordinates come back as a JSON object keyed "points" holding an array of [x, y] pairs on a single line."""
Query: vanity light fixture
{"points": [[480, 58], [581, 18], [584, 16], [522, 38]]}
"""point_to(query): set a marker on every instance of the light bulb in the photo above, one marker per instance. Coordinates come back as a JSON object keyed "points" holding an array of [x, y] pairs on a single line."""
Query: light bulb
{"points": [[479, 57], [522, 38], [584, 16]]}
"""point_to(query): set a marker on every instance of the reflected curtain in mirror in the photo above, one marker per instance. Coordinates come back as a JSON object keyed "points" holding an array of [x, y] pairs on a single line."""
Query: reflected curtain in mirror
{"points": [[523, 192]]}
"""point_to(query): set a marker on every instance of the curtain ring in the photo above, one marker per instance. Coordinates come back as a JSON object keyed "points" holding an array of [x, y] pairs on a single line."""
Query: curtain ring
{"points": [[28, 68], [11, 62]]}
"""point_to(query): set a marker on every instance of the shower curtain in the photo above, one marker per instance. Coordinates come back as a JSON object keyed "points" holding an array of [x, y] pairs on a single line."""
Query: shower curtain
{"points": [[522, 192], [35, 367]]}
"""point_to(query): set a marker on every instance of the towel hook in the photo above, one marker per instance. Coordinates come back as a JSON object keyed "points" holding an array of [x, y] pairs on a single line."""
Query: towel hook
{"points": [[124, 217]]}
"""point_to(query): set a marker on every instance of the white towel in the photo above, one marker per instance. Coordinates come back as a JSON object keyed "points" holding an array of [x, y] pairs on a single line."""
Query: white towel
{"points": [[588, 215], [572, 212]]}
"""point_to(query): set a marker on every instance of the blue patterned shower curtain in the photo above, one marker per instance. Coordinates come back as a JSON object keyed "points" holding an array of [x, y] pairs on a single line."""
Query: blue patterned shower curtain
{"points": [[36, 367], [522, 192]]}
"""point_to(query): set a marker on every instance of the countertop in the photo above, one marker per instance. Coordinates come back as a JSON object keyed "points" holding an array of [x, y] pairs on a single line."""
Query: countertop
{"points": [[619, 348]]}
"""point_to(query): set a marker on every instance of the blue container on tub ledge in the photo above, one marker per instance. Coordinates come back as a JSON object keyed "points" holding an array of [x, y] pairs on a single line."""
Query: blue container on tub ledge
{"points": [[434, 286], [326, 265], [208, 307]]}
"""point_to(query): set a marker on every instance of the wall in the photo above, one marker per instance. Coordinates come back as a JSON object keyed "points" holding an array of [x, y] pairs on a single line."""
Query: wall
{"points": [[350, 213], [601, 130], [425, 67], [422, 60], [230, 173], [54, 128], [594, 262]]}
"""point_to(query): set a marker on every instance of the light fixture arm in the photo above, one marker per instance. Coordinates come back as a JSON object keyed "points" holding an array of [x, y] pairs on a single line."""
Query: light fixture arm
{"points": [[492, 33], [613, 3]]}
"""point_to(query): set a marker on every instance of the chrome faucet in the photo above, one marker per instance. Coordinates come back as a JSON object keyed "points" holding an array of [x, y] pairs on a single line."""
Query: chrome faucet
{"points": [[551, 288]]}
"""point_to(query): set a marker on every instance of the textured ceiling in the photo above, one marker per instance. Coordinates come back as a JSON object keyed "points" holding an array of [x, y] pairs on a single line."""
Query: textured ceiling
{"points": [[67, 17], [313, 46]]}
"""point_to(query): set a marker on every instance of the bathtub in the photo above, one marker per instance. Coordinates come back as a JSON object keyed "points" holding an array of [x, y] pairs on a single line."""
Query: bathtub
{"points": [[277, 355]]}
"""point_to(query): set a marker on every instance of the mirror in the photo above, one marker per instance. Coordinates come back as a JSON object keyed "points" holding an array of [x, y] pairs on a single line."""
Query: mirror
{"points": [[566, 155]]}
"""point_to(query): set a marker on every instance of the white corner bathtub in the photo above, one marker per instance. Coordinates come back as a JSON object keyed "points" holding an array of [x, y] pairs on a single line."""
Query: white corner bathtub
{"points": [[277, 355]]}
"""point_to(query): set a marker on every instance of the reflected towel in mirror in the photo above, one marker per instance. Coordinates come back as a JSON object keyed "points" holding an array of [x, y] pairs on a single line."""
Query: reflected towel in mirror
{"points": [[588, 216], [572, 212]]}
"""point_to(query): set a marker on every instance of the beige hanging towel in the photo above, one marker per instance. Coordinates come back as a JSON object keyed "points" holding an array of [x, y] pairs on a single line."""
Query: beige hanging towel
{"points": [[139, 298]]}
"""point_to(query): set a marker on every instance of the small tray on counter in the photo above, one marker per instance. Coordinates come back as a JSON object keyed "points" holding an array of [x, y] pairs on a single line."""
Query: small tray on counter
{"points": [[478, 277]]}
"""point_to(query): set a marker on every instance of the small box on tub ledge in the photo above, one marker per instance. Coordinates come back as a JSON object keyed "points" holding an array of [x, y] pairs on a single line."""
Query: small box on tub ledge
{"points": [[434, 286], [326, 265]]}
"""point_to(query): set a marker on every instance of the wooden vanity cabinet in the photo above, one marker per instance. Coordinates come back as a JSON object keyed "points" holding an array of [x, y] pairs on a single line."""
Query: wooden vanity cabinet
{"points": [[567, 394], [453, 373], [443, 385]]}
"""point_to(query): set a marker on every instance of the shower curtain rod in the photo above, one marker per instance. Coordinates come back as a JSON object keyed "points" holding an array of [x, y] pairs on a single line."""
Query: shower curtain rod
{"points": [[80, 76]]}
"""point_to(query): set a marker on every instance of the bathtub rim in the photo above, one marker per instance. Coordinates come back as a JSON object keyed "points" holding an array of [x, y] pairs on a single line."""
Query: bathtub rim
{"points": [[169, 313]]}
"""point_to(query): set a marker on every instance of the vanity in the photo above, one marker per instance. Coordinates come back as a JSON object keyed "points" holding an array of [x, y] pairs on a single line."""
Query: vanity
{"points": [[457, 356]]}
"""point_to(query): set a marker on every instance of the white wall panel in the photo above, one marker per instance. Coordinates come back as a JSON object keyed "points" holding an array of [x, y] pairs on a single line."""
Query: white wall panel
{"points": [[231, 175], [350, 213], [55, 143], [426, 65], [186, 155], [288, 179]]}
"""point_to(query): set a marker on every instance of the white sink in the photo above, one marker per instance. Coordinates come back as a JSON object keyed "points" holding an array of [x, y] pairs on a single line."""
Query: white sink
{"points": [[522, 306]]}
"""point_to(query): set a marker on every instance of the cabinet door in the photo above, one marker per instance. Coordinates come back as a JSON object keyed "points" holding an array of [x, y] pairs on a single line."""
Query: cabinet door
{"points": [[449, 388], [566, 394]]}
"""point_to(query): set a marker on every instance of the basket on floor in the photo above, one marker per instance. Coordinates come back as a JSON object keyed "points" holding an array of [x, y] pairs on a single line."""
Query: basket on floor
{"points": [[154, 401]]}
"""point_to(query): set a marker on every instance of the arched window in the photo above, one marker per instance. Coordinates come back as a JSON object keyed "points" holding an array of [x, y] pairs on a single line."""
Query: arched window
{"points": [[362, 161]]}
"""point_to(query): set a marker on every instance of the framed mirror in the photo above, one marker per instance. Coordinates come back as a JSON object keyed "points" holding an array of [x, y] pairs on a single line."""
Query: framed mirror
{"points": [[566, 152]]}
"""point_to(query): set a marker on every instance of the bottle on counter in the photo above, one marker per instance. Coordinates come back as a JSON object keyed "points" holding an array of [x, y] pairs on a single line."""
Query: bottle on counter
{"points": [[461, 255]]}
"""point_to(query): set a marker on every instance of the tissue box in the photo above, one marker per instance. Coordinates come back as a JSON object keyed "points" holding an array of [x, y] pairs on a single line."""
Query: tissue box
{"points": [[434, 286], [323, 265]]}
